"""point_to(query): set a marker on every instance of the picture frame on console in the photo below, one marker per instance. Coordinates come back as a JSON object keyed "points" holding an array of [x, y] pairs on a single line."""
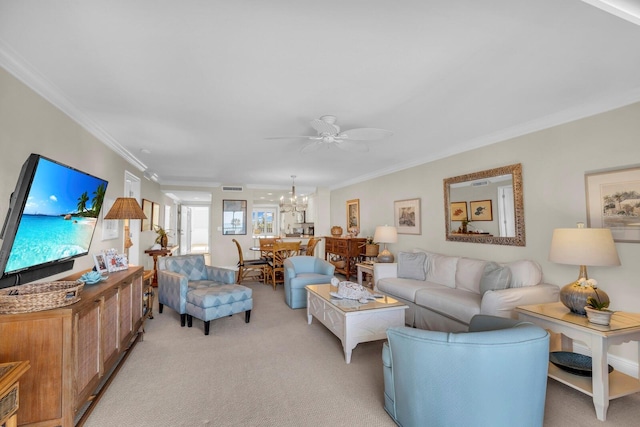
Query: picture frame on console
{"points": [[613, 201], [407, 218], [100, 263]]}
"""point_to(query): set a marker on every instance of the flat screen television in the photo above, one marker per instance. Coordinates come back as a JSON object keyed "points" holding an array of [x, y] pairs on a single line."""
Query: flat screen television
{"points": [[51, 220]]}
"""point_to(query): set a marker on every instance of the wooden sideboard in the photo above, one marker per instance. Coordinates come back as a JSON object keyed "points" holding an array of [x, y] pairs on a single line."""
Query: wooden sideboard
{"points": [[348, 249], [10, 374], [71, 349]]}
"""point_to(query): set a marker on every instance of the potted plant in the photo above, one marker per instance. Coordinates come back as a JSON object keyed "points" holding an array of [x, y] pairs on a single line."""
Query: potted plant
{"points": [[598, 310], [163, 238], [371, 247]]}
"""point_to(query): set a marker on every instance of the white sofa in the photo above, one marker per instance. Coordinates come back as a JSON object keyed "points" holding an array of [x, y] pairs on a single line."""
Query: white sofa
{"points": [[444, 292]]}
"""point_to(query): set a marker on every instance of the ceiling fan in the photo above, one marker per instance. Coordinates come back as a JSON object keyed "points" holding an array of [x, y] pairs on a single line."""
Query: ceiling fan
{"points": [[329, 135]]}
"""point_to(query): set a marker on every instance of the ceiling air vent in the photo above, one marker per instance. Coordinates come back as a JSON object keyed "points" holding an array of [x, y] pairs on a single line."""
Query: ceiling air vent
{"points": [[232, 188]]}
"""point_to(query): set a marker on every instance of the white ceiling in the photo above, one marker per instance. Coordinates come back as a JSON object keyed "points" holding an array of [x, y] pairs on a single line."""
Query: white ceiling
{"points": [[189, 90]]}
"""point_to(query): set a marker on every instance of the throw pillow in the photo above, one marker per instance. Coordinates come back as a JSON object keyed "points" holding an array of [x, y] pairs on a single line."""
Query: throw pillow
{"points": [[411, 265], [524, 273], [494, 277]]}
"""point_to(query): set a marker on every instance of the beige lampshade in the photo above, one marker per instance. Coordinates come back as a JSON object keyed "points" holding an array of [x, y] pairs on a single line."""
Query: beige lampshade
{"points": [[583, 246], [385, 234], [125, 208]]}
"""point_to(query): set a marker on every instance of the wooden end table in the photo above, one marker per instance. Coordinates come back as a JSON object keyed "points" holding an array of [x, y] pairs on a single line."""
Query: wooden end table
{"points": [[155, 254], [624, 327]]}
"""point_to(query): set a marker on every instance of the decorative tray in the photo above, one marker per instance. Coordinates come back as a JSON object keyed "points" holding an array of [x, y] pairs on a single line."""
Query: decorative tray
{"points": [[574, 363]]}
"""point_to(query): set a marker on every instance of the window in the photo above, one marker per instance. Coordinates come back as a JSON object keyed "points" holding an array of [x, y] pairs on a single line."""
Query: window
{"points": [[263, 220]]}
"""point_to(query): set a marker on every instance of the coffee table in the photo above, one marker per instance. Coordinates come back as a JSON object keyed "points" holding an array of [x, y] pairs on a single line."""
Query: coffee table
{"points": [[350, 320], [602, 386]]}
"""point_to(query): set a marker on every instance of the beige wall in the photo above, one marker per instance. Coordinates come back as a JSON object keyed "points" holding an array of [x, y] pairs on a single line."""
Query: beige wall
{"points": [[554, 162], [30, 124]]}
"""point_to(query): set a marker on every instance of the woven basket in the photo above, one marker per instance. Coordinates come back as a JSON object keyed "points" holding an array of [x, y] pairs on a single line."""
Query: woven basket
{"points": [[336, 231], [39, 296]]}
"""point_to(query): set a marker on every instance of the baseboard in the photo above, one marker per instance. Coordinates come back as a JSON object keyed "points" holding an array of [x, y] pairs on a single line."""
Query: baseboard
{"points": [[626, 366]]}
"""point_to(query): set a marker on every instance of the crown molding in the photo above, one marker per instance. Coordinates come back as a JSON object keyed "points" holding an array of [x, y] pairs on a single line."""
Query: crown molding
{"points": [[32, 78]]}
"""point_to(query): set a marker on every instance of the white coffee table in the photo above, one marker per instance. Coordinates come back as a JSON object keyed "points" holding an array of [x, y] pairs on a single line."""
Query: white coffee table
{"points": [[350, 320], [602, 386]]}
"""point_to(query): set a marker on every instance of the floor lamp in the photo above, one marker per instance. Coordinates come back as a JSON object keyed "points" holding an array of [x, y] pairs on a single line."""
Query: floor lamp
{"points": [[126, 208]]}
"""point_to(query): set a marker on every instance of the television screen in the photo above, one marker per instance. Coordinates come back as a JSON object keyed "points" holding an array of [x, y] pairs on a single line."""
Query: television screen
{"points": [[52, 216]]}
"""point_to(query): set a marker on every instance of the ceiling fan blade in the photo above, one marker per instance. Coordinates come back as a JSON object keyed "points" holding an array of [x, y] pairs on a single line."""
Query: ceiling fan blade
{"points": [[353, 146], [292, 137], [365, 134], [312, 146], [323, 127]]}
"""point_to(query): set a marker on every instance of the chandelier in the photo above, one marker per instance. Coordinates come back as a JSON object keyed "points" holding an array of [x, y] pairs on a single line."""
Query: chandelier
{"points": [[293, 205]]}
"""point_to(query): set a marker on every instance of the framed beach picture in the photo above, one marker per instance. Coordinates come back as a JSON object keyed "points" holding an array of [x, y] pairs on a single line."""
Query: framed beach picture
{"points": [[407, 216], [458, 211], [155, 218], [353, 214], [613, 201], [481, 210]]}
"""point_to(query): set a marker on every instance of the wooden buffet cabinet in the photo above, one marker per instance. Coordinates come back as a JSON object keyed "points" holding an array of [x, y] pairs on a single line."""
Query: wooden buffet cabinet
{"points": [[72, 350], [348, 249]]}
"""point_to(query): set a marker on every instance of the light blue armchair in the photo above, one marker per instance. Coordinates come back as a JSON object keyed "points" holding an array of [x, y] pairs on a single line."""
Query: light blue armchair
{"points": [[179, 274], [300, 271], [495, 375]]}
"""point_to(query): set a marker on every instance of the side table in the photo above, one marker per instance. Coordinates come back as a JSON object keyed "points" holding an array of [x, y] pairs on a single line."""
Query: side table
{"points": [[602, 386], [156, 253], [147, 294], [365, 268]]}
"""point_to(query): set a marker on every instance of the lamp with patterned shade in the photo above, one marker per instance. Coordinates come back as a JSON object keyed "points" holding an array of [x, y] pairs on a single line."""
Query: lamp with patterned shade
{"points": [[126, 208], [582, 246]]}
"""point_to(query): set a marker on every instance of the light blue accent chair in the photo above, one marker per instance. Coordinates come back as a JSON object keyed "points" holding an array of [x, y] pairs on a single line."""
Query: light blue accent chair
{"points": [[495, 375], [300, 271], [177, 275]]}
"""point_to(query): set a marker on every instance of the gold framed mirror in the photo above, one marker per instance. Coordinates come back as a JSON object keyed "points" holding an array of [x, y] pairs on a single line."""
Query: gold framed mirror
{"points": [[486, 207]]}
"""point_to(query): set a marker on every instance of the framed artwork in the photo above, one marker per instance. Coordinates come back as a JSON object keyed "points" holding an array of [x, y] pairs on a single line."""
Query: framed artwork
{"points": [[147, 208], [481, 210], [459, 211], [109, 226], [353, 214], [407, 216], [155, 216], [613, 201], [234, 217], [100, 262], [116, 262]]}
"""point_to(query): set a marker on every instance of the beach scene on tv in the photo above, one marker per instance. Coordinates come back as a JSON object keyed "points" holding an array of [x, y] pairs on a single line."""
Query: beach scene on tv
{"points": [[59, 217]]}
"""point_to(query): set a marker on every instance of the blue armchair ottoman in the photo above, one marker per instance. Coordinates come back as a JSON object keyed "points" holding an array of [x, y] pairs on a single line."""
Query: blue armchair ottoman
{"points": [[214, 302]]}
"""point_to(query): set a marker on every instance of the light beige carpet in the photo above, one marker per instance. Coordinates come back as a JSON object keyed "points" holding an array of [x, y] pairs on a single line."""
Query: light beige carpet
{"points": [[276, 371]]}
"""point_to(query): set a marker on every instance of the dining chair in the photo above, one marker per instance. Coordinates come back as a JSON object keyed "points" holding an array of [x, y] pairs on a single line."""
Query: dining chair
{"points": [[266, 247], [247, 268], [281, 251], [311, 246]]}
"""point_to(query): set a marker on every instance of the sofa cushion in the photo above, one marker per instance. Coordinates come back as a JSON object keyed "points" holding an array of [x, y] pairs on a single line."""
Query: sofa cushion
{"points": [[495, 277], [458, 304], [442, 269], [468, 274], [403, 288], [524, 273], [412, 265]]}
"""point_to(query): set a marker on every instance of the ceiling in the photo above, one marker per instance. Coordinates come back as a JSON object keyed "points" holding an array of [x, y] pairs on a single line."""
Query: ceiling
{"points": [[189, 90]]}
